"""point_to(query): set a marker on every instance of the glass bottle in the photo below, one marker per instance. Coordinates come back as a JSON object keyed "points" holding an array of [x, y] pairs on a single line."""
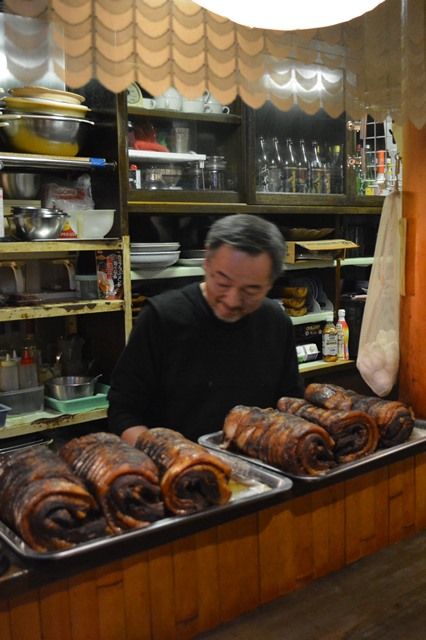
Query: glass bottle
{"points": [[262, 166], [336, 169], [302, 174], [275, 167], [316, 169], [289, 168]]}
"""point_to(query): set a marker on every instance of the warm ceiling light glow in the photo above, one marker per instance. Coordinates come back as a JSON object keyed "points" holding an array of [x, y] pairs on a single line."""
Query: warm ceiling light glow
{"points": [[289, 15]]}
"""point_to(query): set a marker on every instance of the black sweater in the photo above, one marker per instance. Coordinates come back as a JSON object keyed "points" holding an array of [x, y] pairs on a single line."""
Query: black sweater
{"points": [[183, 368]]}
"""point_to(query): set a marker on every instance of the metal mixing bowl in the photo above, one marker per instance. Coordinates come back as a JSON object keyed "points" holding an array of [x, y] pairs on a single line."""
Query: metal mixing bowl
{"points": [[44, 134], [34, 223], [71, 387], [20, 185]]}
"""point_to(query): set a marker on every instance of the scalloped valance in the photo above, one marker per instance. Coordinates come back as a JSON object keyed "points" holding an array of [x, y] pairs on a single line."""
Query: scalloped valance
{"points": [[374, 63]]}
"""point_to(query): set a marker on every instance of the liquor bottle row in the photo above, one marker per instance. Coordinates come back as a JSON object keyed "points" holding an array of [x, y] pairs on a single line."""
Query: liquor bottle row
{"points": [[298, 167]]}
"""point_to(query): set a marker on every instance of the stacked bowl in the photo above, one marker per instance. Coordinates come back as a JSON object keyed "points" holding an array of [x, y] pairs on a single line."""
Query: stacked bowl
{"points": [[153, 256], [44, 121]]}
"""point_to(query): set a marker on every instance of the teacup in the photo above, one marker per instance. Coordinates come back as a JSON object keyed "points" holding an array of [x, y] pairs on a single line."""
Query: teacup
{"points": [[216, 107], [170, 99], [193, 106]]}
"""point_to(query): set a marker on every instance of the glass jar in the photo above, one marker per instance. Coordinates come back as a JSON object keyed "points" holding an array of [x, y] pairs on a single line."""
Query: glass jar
{"points": [[214, 173]]}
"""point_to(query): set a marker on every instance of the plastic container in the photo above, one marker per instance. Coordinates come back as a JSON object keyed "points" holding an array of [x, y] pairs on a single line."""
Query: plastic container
{"points": [[9, 375], [87, 286], [342, 335], [23, 400], [4, 410], [78, 405], [28, 375], [329, 340]]}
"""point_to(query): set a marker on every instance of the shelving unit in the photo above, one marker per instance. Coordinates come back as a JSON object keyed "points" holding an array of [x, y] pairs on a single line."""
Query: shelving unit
{"points": [[95, 319]]}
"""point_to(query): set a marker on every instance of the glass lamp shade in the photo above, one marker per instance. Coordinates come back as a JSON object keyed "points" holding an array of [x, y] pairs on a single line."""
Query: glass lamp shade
{"points": [[288, 15]]}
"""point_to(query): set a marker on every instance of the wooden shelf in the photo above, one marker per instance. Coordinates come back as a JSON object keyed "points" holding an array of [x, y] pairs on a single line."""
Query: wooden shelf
{"points": [[320, 365], [58, 309], [24, 424], [56, 246]]}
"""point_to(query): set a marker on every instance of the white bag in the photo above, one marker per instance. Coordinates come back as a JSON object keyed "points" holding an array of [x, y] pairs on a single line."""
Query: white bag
{"points": [[378, 352]]}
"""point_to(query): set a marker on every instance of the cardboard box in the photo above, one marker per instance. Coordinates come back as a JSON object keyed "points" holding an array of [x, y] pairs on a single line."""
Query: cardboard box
{"points": [[308, 250]]}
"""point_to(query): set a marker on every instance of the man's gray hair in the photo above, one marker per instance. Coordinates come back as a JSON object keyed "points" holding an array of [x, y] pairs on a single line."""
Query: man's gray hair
{"points": [[250, 234]]}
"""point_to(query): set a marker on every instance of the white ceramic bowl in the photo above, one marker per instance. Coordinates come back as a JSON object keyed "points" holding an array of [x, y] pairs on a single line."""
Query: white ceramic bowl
{"points": [[153, 247], [153, 261], [94, 223]]}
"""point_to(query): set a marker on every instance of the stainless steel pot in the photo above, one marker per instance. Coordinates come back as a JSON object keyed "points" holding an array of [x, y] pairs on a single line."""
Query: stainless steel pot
{"points": [[71, 387]]}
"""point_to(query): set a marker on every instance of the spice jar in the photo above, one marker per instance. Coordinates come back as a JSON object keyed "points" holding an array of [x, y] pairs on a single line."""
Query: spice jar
{"points": [[214, 172]]}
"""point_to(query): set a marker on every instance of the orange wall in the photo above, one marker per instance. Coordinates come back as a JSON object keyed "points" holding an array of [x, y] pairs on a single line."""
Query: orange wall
{"points": [[413, 305]]}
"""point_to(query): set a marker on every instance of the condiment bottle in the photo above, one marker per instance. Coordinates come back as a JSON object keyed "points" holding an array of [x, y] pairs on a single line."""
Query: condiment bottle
{"points": [[9, 378], [342, 336], [329, 340], [27, 370]]}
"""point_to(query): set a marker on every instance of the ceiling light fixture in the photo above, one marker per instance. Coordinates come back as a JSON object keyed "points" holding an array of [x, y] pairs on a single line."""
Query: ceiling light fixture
{"points": [[290, 15]]}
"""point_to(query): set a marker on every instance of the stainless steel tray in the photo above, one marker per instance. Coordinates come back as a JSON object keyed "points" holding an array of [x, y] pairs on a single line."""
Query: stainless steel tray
{"points": [[416, 441], [251, 485]]}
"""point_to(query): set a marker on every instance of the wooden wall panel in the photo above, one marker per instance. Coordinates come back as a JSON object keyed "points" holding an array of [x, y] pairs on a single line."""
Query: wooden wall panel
{"points": [[136, 595], [238, 567], [185, 571], [162, 594], [208, 579], [420, 491], [5, 632], [83, 603], [366, 514], [110, 594], [402, 500], [55, 611], [25, 617], [328, 524], [277, 562]]}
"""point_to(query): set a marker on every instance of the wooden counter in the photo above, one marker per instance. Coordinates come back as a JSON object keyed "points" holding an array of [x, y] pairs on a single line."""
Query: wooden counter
{"points": [[182, 588]]}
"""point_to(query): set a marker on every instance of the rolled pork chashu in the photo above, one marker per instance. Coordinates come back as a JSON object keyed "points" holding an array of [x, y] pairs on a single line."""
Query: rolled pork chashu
{"points": [[394, 419], [192, 478], [46, 504], [355, 433], [282, 440], [124, 480]]}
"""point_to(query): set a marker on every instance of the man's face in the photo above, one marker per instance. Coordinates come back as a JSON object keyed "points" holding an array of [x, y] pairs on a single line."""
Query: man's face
{"points": [[236, 283]]}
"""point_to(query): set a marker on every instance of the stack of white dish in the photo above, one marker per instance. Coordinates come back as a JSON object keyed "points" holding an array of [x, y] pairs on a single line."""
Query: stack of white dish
{"points": [[42, 100], [153, 256]]}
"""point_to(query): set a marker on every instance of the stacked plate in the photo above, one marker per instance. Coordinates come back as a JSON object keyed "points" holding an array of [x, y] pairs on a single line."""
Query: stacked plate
{"points": [[153, 256], [42, 100]]}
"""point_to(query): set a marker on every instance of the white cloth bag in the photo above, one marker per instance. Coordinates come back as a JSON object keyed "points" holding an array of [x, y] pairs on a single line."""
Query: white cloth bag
{"points": [[378, 352]]}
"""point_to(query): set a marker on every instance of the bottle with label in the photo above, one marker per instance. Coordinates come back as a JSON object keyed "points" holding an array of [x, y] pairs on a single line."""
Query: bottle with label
{"points": [[343, 335], [329, 340], [28, 375], [336, 169], [317, 169]]}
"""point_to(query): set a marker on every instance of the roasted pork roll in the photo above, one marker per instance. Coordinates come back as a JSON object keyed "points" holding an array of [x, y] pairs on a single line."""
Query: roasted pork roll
{"points": [[46, 504], [355, 433], [394, 419], [192, 478], [125, 481], [282, 440]]}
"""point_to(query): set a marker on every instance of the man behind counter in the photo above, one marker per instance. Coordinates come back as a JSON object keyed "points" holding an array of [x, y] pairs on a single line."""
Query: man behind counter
{"points": [[196, 352]]}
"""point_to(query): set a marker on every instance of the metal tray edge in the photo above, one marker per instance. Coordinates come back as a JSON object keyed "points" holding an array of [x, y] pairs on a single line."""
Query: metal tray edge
{"points": [[210, 441], [277, 483]]}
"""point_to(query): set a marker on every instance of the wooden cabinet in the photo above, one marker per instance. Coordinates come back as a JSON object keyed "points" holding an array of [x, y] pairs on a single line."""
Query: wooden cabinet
{"points": [[184, 215]]}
